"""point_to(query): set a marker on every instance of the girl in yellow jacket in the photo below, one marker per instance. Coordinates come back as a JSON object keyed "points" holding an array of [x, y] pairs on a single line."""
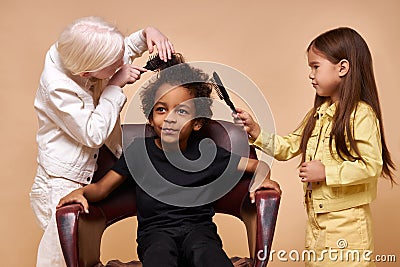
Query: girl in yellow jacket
{"points": [[343, 150]]}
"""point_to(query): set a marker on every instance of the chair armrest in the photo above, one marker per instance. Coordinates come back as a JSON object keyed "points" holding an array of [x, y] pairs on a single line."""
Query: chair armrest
{"points": [[267, 203], [80, 234]]}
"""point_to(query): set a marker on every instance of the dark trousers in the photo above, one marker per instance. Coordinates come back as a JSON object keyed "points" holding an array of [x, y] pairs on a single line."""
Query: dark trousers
{"points": [[183, 247]]}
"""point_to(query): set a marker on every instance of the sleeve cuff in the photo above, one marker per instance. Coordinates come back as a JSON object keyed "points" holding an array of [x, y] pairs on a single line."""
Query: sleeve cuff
{"points": [[332, 175], [114, 94], [262, 141], [135, 45]]}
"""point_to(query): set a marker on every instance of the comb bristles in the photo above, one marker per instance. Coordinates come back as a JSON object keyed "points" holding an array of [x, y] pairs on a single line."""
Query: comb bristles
{"points": [[221, 91], [217, 90], [220, 88]]}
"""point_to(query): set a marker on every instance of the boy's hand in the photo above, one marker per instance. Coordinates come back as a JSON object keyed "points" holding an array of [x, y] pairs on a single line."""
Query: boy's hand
{"points": [[164, 46], [75, 196], [266, 184], [244, 118], [312, 171], [261, 174], [127, 74]]}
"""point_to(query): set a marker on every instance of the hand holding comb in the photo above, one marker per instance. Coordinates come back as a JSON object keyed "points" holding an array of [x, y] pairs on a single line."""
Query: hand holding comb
{"points": [[222, 93]]}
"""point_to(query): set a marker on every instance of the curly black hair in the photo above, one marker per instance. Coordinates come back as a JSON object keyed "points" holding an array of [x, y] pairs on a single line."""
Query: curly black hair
{"points": [[189, 77]]}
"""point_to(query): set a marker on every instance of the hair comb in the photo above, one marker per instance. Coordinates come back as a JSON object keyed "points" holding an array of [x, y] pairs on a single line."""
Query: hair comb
{"points": [[155, 63], [222, 93]]}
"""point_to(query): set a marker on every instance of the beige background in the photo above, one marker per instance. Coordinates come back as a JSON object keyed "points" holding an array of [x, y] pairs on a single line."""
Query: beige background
{"points": [[266, 40]]}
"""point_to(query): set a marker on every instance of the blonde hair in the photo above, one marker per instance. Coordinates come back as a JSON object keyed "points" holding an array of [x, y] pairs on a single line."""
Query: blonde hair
{"points": [[89, 44]]}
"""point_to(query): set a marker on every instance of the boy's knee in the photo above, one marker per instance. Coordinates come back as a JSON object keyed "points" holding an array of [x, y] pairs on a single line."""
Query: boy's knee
{"points": [[160, 254], [157, 247], [201, 244]]}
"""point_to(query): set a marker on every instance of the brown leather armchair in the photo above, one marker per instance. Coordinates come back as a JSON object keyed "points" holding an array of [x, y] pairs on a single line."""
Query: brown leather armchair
{"points": [[80, 234]]}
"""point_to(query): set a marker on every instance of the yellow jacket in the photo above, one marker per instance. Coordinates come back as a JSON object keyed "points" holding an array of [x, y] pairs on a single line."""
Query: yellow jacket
{"points": [[348, 183]]}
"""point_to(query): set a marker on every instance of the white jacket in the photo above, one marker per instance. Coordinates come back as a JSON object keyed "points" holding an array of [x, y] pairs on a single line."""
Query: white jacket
{"points": [[71, 128]]}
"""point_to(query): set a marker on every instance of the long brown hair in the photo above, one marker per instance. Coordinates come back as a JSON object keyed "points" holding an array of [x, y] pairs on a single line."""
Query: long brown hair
{"points": [[357, 85]]}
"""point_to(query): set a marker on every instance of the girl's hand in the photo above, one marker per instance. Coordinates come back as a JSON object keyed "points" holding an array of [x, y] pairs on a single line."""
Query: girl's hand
{"points": [[312, 171], [266, 184], [244, 118], [164, 46], [127, 74], [75, 196]]}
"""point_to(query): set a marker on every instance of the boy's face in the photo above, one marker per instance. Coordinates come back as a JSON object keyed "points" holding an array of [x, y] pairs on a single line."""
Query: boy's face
{"points": [[174, 114]]}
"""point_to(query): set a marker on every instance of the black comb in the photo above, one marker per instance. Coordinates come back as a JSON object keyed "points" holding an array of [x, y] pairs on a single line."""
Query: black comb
{"points": [[155, 63], [222, 93]]}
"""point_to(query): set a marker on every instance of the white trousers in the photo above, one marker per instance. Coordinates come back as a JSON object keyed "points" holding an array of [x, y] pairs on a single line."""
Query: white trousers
{"points": [[45, 194]]}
